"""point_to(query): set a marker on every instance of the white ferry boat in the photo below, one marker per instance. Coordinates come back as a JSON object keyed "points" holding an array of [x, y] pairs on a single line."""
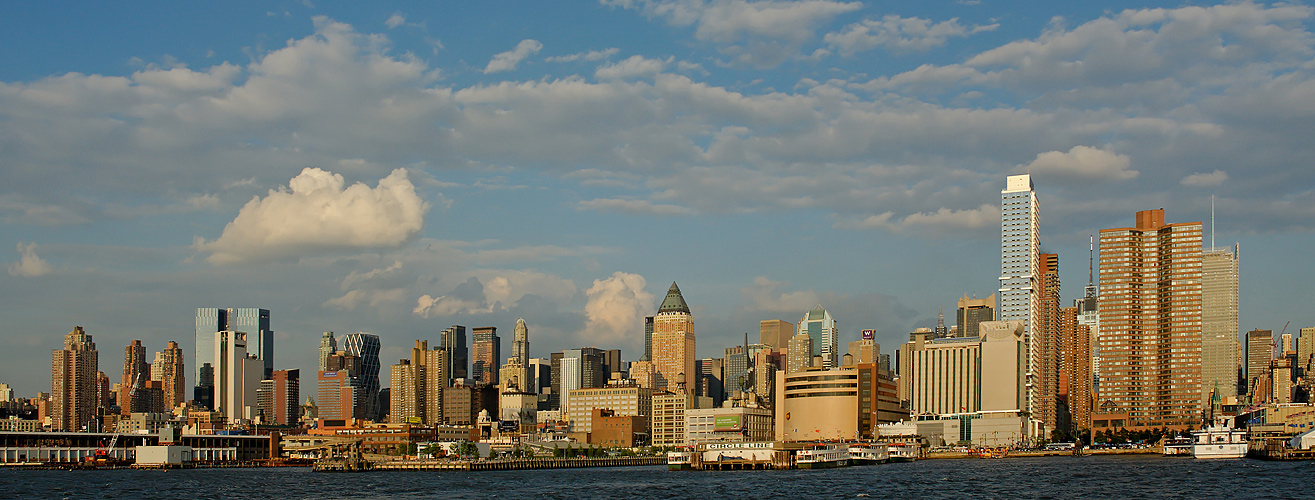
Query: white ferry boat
{"points": [[680, 460], [822, 456], [1219, 440], [903, 452], [1179, 446], [868, 453]]}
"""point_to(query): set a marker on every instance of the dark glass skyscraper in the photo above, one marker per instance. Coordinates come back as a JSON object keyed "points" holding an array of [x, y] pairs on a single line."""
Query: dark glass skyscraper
{"points": [[366, 347], [209, 320]]}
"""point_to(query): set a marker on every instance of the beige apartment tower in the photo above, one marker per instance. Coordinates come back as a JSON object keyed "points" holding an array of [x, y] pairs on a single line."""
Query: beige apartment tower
{"points": [[673, 345], [73, 382], [1150, 322], [168, 369]]}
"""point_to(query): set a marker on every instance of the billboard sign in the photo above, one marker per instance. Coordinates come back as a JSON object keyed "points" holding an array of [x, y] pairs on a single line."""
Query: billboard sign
{"points": [[728, 423], [869, 334]]}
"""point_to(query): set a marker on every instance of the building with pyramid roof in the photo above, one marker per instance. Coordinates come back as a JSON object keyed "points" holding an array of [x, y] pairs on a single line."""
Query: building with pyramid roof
{"points": [[673, 344]]}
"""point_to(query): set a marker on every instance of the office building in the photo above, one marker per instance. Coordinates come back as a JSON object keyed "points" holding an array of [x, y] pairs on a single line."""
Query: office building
{"points": [[209, 320], [1259, 352], [623, 400], [673, 344], [648, 339], [712, 377], [168, 369], [1089, 316], [736, 370], [454, 343], [539, 375], [486, 355], [821, 327], [284, 407], [338, 393], [328, 346], [73, 383], [965, 375], [1219, 324], [520, 342], [800, 353], [365, 346], [136, 372], [260, 338], [734, 424], [1020, 262], [1150, 322], [237, 376], [973, 312], [775, 333]]}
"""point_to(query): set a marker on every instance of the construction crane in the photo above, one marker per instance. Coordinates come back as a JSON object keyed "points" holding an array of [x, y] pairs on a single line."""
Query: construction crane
{"points": [[102, 455]]}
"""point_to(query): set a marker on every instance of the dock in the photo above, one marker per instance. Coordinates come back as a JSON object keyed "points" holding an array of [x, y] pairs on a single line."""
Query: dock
{"points": [[516, 464]]}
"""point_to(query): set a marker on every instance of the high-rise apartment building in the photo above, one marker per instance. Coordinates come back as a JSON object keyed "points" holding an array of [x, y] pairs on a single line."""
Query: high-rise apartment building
{"points": [[1073, 389], [486, 354], [286, 408], [819, 325], [408, 393], [136, 372], [1306, 352], [1259, 352], [73, 382], [167, 368], [775, 333], [458, 352], [673, 344], [972, 312], [366, 347], [436, 382], [1150, 322], [1219, 312], [1020, 262], [1048, 380]]}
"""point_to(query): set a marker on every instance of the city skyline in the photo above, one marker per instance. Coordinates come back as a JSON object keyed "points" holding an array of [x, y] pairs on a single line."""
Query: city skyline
{"points": [[504, 163]]}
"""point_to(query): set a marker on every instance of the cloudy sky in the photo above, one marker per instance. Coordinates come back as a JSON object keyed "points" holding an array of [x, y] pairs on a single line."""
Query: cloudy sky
{"points": [[397, 169]]}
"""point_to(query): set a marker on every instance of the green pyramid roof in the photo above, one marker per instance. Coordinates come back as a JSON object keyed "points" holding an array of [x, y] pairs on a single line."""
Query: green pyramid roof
{"points": [[674, 301]]}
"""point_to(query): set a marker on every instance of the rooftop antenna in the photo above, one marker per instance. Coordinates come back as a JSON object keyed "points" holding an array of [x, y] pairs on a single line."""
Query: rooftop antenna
{"points": [[1091, 266]]}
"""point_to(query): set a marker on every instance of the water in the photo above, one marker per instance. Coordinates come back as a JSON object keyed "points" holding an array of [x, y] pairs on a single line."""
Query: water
{"points": [[1053, 477]]}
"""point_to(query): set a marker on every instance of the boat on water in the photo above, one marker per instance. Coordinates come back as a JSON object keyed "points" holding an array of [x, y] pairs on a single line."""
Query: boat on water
{"points": [[680, 460], [868, 453], [1219, 440], [1178, 446], [822, 456], [903, 452]]}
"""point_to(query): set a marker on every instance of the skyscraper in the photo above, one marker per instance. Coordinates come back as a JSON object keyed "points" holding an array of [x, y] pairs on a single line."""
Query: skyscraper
{"points": [[1020, 262], [237, 376], [328, 346], [169, 371], [1219, 311], [252, 321], [73, 382], [1260, 351], [1073, 389], [819, 325], [136, 371], [486, 354], [436, 382], [971, 314], [260, 338], [366, 347], [775, 333], [1150, 322], [1048, 381], [520, 342], [278, 398], [1089, 316], [800, 354], [673, 344], [648, 339], [454, 344], [408, 393]]}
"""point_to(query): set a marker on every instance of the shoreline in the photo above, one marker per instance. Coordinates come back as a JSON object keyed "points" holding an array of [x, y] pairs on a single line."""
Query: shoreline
{"points": [[956, 455]]}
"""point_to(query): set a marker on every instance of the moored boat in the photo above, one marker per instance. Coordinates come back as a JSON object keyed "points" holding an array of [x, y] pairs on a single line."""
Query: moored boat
{"points": [[1178, 446], [868, 453], [680, 460], [822, 456], [903, 452], [1219, 440]]}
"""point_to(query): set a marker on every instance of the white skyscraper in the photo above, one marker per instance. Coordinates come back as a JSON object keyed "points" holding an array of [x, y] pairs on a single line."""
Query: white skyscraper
{"points": [[237, 376], [1020, 248]]}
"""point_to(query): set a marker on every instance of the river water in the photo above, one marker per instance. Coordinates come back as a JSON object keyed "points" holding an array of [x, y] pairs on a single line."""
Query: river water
{"points": [[1050, 477]]}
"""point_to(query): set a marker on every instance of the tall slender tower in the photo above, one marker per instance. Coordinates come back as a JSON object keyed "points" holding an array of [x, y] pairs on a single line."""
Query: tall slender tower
{"points": [[73, 382], [486, 354], [458, 352], [673, 344], [328, 346], [366, 347], [1219, 312], [1150, 322], [136, 371], [1047, 384], [520, 343], [1020, 253], [819, 325], [168, 370]]}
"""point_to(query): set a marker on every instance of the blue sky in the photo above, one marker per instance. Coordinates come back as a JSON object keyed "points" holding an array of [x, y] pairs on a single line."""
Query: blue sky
{"points": [[400, 167]]}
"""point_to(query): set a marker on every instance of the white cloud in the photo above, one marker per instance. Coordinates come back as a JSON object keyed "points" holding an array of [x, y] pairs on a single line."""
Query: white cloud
{"points": [[634, 206], [318, 214], [943, 221], [761, 34], [1081, 162], [395, 20], [895, 33], [1205, 179], [506, 61], [615, 310], [763, 296], [593, 55], [29, 265], [490, 290], [631, 67]]}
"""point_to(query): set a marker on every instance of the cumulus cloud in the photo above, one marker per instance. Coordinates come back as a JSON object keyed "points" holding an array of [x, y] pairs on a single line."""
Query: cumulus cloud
{"points": [[29, 265], [592, 55], [1205, 179], [1081, 162], [490, 290], [316, 213], [895, 33], [615, 309], [395, 20], [763, 295], [507, 61]]}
